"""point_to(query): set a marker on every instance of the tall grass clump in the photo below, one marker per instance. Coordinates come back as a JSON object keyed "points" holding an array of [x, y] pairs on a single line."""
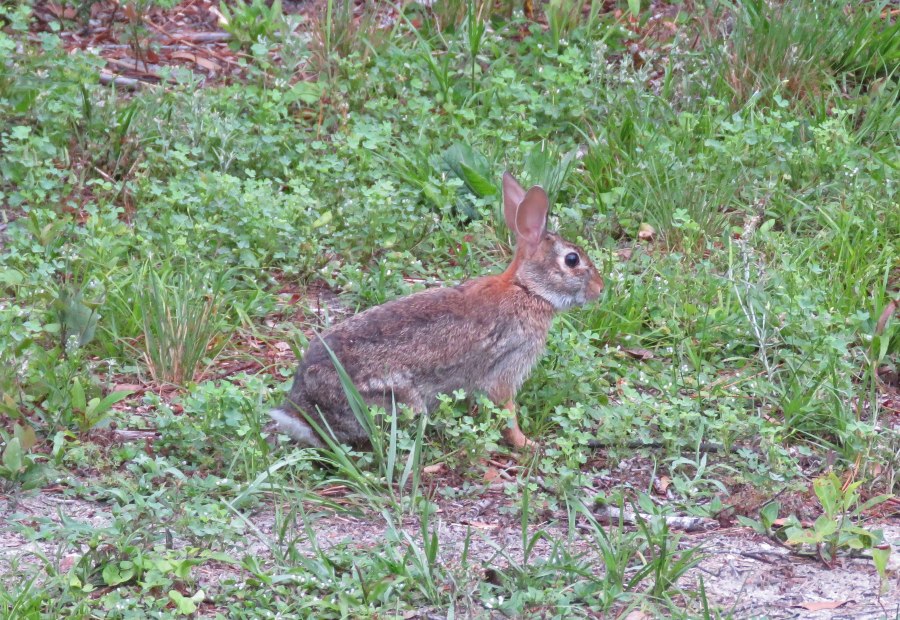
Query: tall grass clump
{"points": [[339, 33], [809, 49], [182, 321]]}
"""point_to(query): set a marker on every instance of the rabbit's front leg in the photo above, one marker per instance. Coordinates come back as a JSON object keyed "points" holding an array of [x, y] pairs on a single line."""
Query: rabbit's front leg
{"points": [[512, 433]]}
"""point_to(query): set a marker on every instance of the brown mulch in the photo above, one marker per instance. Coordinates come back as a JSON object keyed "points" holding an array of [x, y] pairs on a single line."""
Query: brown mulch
{"points": [[141, 49]]}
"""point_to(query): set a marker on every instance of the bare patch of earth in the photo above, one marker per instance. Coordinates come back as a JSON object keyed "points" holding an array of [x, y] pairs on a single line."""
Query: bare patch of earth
{"points": [[743, 573]]}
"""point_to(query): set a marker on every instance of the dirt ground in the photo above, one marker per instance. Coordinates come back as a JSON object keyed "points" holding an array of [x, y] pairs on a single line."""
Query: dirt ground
{"points": [[743, 573]]}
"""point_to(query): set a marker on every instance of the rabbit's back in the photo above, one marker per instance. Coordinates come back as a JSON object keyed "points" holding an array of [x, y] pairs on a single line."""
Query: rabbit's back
{"points": [[473, 337]]}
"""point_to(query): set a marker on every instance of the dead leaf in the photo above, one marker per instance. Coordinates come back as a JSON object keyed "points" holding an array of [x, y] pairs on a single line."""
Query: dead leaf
{"points": [[491, 474], [624, 253], [223, 21], [198, 60], [333, 490], [636, 614], [60, 12], [782, 521], [434, 469], [68, 562], [283, 347], [646, 232], [820, 605], [127, 387], [661, 485], [639, 354], [886, 314], [481, 525]]}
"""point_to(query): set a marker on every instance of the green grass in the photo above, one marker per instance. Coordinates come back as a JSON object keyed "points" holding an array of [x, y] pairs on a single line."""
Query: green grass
{"points": [[169, 247]]}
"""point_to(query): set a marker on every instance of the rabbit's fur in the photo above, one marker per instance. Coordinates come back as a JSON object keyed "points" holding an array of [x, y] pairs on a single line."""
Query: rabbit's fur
{"points": [[484, 335]]}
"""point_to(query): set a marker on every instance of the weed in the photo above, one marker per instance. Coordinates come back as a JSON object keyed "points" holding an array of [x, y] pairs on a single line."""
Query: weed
{"points": [[835, 531], [20, 466], [338, 34], [804, 48], [180, 315], [248, 22]]}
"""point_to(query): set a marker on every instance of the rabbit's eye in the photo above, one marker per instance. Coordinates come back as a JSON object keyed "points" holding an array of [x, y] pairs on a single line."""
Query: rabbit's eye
{"points": [[572, 259]]}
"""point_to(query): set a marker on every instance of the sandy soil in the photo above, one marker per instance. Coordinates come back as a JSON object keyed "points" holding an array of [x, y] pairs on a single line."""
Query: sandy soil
{"points": [[743, 573]]}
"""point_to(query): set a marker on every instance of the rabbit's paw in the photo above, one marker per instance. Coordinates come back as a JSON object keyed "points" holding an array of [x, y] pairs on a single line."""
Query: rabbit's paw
{"points": [[516, 438]]}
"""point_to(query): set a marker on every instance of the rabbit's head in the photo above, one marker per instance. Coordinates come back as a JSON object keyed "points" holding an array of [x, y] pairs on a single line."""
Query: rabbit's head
{"points": [[546, 264]]}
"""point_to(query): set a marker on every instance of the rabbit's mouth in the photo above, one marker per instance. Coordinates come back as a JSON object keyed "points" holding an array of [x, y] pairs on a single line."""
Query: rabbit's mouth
{"points": [[562, 301], [583, 296]]}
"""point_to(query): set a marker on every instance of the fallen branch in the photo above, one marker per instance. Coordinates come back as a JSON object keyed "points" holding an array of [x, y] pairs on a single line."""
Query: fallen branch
{"points": [[135, 435], [119, 81], [611, 515], [193, 38], [138, 66], [196, 37]]}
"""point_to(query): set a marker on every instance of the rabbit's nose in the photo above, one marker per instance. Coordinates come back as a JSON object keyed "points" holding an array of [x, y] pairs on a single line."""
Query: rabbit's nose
{"points": [[595, 287]]}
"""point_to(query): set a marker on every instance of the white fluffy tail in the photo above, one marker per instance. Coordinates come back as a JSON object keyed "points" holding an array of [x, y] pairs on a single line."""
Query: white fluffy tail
{"points": [[296, 428]]}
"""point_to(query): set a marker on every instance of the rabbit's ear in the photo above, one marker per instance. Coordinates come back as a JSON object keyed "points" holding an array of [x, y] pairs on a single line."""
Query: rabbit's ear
{"points": [[531, 216], [512, 197]]}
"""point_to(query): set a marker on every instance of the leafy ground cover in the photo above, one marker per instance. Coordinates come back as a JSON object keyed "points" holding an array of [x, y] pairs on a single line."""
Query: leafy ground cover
{"points": [[190, 191]]}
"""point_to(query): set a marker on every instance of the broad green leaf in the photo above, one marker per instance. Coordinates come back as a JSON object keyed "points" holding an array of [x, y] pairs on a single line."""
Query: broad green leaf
{"points": [[799, 536], [59, 442], [305, 92], [756, 526], [26, 436], [11, 277], [79, 320], [13, 458], [102, 406], [471, 167], [874, 501], [323, 219], [828, 490], [825, 526], [182, 568], [77, 394], [769, 513], [20, 132], [9, 405], [880, 555], [114, 574], [477, 183], [35, 476], [184, 604]]}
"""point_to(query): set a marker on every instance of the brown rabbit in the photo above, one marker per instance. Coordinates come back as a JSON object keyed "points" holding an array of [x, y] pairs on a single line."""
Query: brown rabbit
{"points": [[484, 335]]}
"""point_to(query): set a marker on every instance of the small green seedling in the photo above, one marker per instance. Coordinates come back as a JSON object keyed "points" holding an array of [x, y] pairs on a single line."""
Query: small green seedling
{"points": [[18, 465], [89, 414], [248, 22], [837, 530]]}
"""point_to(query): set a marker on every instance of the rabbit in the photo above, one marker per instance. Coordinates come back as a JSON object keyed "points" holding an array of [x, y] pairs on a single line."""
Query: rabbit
{"points": [[481, 336]]}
